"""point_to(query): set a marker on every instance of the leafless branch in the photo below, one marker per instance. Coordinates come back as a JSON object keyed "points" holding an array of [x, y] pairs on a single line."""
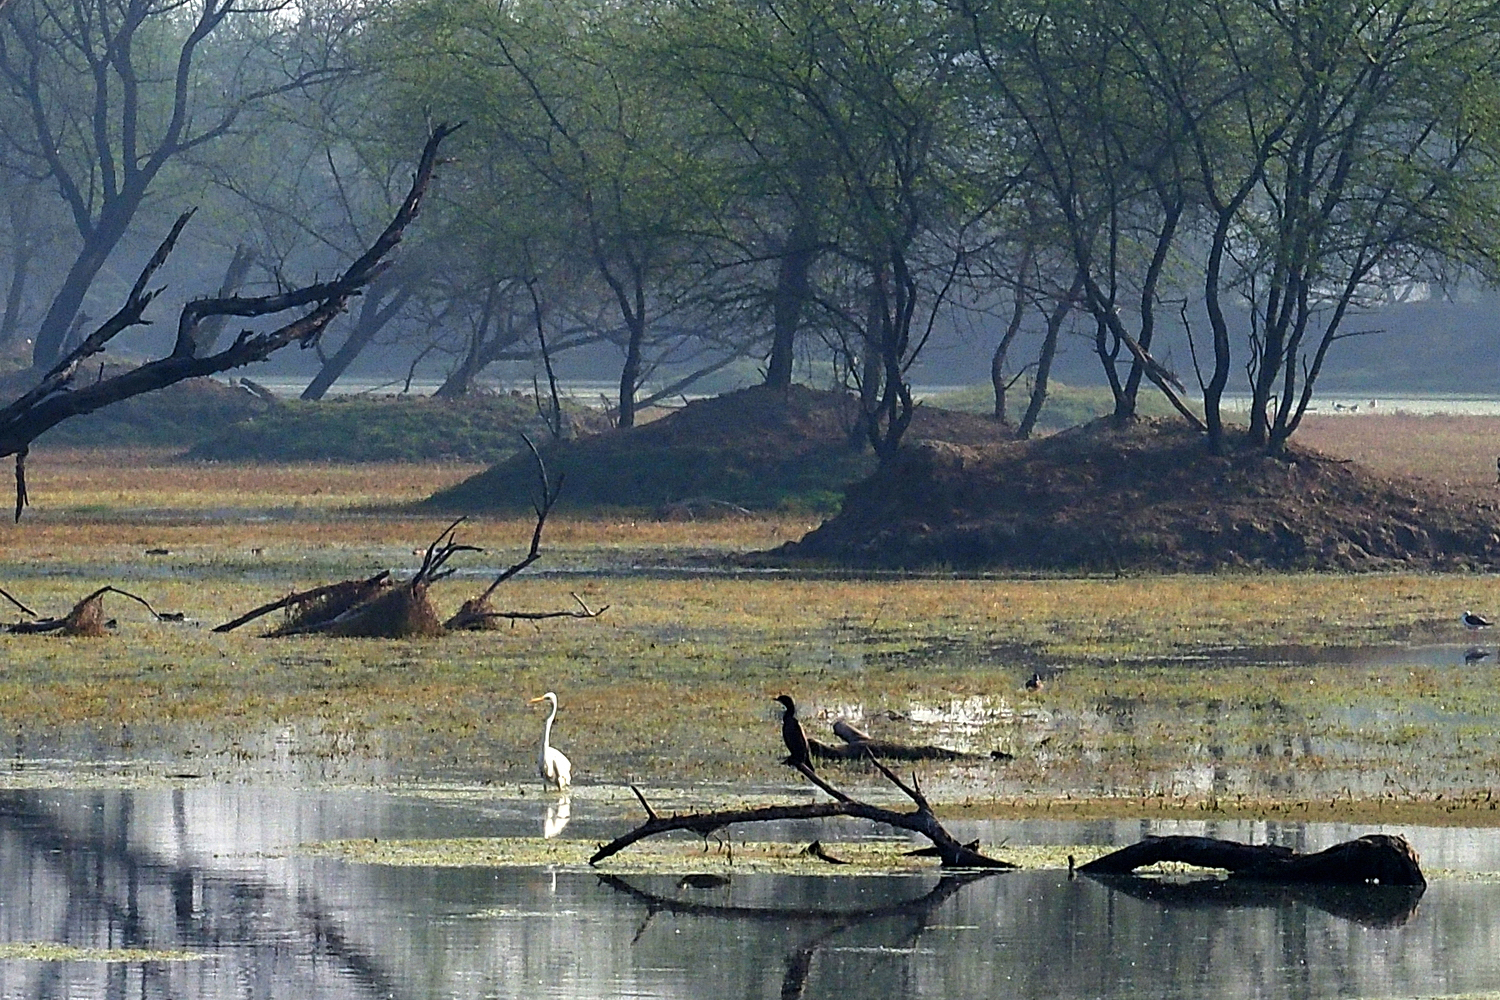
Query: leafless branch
{"points": [[58, 397]]}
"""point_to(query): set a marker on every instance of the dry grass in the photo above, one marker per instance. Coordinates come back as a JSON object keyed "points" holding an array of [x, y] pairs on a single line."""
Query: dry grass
{"points": [[113, 481], [1457, 450]]}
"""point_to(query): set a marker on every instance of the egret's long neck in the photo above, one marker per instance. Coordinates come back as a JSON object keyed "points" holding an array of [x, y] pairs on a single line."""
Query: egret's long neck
{"points": [[547, 730]]}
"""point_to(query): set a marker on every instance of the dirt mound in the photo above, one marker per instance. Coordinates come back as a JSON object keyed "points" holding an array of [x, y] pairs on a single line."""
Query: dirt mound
{"points": [[758, 448], [1148, 496]]}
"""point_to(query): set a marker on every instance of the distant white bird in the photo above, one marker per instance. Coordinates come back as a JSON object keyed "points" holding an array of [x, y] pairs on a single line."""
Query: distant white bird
{"points": [[555, 769], [1474, 622]]}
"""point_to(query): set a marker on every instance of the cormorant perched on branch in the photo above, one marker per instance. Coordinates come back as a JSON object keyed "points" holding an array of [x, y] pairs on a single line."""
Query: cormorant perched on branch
{"points": [[793, 736]]}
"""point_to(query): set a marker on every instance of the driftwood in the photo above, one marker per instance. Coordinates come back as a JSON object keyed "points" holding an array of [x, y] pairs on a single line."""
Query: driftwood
{"points": [[58, 396], [85, 619], [863, 749], [343, 594], [378, 607], [477, 613], [1375, 858], [859, 745], [920, 820]]}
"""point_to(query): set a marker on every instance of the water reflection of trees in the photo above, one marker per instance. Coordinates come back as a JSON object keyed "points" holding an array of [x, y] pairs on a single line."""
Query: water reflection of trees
{"points": [[88, 884]]}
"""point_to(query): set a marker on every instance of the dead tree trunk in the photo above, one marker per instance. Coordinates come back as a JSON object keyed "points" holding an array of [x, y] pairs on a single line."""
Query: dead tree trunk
{"points": [[1374, 858], [85, 620], [920, 820]]}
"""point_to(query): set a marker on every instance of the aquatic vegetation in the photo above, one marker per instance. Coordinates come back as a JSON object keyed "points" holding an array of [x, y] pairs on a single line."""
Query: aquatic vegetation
{"points": [[680, 856], [47, 951]]}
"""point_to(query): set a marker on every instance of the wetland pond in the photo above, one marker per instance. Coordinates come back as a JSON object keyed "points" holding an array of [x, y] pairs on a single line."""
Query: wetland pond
{"points": [[198, 889]]}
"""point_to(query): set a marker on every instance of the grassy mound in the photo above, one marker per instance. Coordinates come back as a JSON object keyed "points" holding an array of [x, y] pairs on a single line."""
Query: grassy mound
{"points": [[378, 429], [1066, 405], [758, 448], [1149, 496], [174, 417]]}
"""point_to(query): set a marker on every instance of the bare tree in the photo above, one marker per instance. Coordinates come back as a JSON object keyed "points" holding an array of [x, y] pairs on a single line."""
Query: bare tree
{"points": [[59, 396]]}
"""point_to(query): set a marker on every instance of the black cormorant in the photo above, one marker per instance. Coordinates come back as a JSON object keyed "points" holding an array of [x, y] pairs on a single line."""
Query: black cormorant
{"points": [[793, 736]]}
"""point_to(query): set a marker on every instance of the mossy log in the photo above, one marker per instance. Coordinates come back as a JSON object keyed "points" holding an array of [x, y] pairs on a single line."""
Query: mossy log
{"points": [[1375, 858]]}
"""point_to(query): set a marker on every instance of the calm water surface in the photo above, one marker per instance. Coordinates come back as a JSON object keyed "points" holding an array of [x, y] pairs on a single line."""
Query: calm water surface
{"points": [[214, 870]]}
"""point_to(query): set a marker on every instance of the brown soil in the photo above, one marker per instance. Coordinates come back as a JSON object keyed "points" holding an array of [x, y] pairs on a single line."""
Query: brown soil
{"points": [[1148, 496], [758, 448]]}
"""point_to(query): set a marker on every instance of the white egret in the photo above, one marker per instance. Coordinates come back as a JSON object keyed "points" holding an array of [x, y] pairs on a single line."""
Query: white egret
{"points": [[555, 769]]}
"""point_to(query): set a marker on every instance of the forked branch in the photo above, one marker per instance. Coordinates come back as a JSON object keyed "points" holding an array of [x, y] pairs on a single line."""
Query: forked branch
{"points": [[57, 396], [920, 820]]}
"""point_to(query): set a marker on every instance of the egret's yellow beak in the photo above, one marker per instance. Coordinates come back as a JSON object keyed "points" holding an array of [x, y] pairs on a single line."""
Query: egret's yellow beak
{"points": [[533, 701]]}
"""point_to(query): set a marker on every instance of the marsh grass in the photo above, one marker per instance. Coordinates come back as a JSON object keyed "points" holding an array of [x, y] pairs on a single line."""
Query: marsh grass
{"points": [[1144, 712]]}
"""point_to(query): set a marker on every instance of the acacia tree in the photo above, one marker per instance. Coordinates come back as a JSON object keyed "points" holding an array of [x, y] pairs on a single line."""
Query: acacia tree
{"points": [[1290, 160], [847, 120], [1114, 170], [560, 98], [113, 91], [1382, 168]]}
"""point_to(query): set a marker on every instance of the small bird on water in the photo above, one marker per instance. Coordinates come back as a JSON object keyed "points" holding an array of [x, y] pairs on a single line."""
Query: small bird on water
{"points": [[1475, 654], [1474, 622], [793, 736]]}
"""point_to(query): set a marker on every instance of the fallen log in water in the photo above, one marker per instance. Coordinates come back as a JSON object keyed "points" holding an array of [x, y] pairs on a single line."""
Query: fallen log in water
{"points": [[881, 748]]}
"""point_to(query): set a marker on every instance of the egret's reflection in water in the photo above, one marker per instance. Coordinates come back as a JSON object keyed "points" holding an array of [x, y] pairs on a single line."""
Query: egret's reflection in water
{"points": [[555, 817]]}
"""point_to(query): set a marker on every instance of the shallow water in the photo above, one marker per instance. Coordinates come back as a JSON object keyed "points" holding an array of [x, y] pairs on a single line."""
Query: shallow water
{"points": [[215, 871]]}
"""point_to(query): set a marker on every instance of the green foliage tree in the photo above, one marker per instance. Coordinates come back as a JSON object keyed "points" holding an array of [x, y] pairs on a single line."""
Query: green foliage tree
{"points": [[1290, 161], [563, 113], [843, 132]]}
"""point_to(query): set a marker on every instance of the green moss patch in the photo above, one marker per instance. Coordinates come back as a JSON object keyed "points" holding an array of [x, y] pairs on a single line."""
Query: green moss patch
{"points": [[675, 856], [46, 951]]}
